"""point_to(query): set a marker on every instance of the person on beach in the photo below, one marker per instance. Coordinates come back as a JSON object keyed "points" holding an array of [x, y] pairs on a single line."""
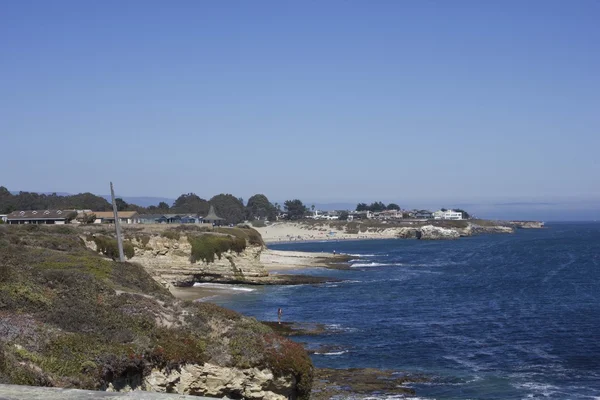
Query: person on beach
{"points": [[334, 252], [279, 314]]}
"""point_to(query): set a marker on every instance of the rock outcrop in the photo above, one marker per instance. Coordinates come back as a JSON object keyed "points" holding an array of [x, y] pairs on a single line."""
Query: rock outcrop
{"points": [[70, 317], [527, 224], [215, 381], [167, 260], [430, 232]]}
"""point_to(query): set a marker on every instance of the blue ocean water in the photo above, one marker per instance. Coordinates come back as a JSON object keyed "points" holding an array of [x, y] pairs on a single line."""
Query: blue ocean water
{"points": [[487, 317]]}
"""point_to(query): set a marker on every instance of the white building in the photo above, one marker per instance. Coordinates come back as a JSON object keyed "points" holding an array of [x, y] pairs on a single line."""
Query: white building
{"points": [[448, 214], [108, 217]]}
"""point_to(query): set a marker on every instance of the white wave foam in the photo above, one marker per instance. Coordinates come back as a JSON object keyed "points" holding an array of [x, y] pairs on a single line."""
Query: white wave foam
{"points": [[333, 353], [363, 255], [366, 265], [545, 390], [223, 286], [391, 397], [205, 299], [339, 328]]}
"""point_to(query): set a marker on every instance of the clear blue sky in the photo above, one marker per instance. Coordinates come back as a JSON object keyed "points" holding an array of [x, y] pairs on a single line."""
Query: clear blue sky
{"points": [[431, 102]]}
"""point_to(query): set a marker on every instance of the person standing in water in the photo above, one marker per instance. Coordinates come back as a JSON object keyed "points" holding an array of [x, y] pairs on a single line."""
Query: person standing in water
{"points": [[279, 314]]}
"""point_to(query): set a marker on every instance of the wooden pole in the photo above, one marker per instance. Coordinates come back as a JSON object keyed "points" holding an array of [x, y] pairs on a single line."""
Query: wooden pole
{"points": [[117, 224]]}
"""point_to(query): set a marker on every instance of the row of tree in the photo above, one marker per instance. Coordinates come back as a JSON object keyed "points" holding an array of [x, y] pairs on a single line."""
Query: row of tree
{"points": [[377, 206], [227, 206], [35, 201]]}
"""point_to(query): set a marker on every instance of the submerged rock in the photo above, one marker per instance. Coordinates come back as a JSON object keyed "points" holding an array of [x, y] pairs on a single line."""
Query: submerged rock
{"points": [[354, 382]]}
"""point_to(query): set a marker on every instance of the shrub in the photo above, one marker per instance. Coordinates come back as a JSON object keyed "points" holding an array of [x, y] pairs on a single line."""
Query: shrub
{"points": [[128, 249], [258, 223], [109, 247], [287, 357], [171, 234], [245, 232], [205, 247]]}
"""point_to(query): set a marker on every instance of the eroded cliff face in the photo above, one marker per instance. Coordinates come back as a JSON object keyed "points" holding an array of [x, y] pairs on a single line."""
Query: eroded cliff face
{"points": [[216, 381], [71, 317], [168, 262]]}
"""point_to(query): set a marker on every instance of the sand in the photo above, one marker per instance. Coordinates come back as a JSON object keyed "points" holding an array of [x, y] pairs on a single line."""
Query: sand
{"points": [[293, 232]]}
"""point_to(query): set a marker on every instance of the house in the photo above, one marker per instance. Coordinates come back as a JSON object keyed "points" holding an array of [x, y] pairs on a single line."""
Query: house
{"points": [[448, 214], [108, 217], [213, 218], [168, 219], [41, 217], [148, 218], [388, 214], [3, 217], [423, 214]]}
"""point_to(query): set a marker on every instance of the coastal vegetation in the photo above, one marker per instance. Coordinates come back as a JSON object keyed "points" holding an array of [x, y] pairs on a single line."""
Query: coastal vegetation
{"points": [[109, 247], [260, 208], [35, 201], [295, 209], [70, 317], [229, 207], [205, 247], [376, 206]]}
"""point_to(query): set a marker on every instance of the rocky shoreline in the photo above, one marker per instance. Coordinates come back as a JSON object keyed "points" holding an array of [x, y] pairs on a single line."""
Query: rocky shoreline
{"points": [[307, 231]]}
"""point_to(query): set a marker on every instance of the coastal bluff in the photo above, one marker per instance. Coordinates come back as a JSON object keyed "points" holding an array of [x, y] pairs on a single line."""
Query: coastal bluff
{"points": [[311, 230], [170, 255], [71, 317], [167, 259]]}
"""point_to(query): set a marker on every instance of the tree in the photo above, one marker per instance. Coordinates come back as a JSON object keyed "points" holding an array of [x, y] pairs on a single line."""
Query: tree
{"points": [[465, 214], [393, 206], [229, 207], [343, 216], [295, 209], [443, 209], [36, 201], [259, 207], [121, 204], [163, 206], [362, 207], [191, 203], [377, 206], [87, 218]]}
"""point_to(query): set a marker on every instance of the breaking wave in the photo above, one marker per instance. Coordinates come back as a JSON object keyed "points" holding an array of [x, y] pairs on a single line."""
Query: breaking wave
{"points": [[222, 286]]}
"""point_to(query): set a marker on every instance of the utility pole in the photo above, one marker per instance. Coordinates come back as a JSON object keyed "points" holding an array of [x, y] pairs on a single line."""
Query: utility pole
{"points": [[117, 224]]}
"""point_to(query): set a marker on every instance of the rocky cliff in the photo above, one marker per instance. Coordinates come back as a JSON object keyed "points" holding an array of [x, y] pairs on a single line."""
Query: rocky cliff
{"points": [[70, 317], [425, 230], [168, 259]]}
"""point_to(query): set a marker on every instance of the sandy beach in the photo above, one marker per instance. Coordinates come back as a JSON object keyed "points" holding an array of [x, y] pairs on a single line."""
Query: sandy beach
{"points": [[294, 232], [206, 292]]}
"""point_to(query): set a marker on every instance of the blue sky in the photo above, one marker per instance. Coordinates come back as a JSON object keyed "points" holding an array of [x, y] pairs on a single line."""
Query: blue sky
{"points": [[422, 102]]}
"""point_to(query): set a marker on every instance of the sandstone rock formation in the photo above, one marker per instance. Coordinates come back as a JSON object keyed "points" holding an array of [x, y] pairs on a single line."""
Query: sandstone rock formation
{"points": [[167, 260], [430, 232], [215, 381]]}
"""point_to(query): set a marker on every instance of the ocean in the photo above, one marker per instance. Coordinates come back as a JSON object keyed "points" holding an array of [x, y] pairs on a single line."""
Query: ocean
{"points": [[485, 317]]}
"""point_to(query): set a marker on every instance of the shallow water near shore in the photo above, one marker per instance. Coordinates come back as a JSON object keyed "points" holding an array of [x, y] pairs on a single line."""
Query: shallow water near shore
{"points": [[485, 317]]}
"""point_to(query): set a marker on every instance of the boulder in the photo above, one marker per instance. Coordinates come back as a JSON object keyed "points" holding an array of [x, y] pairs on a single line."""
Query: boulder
{"points": [[430, 232]]}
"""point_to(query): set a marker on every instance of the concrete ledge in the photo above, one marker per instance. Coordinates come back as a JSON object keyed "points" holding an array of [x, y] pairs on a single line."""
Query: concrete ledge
{"points": [[18, 392]]}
